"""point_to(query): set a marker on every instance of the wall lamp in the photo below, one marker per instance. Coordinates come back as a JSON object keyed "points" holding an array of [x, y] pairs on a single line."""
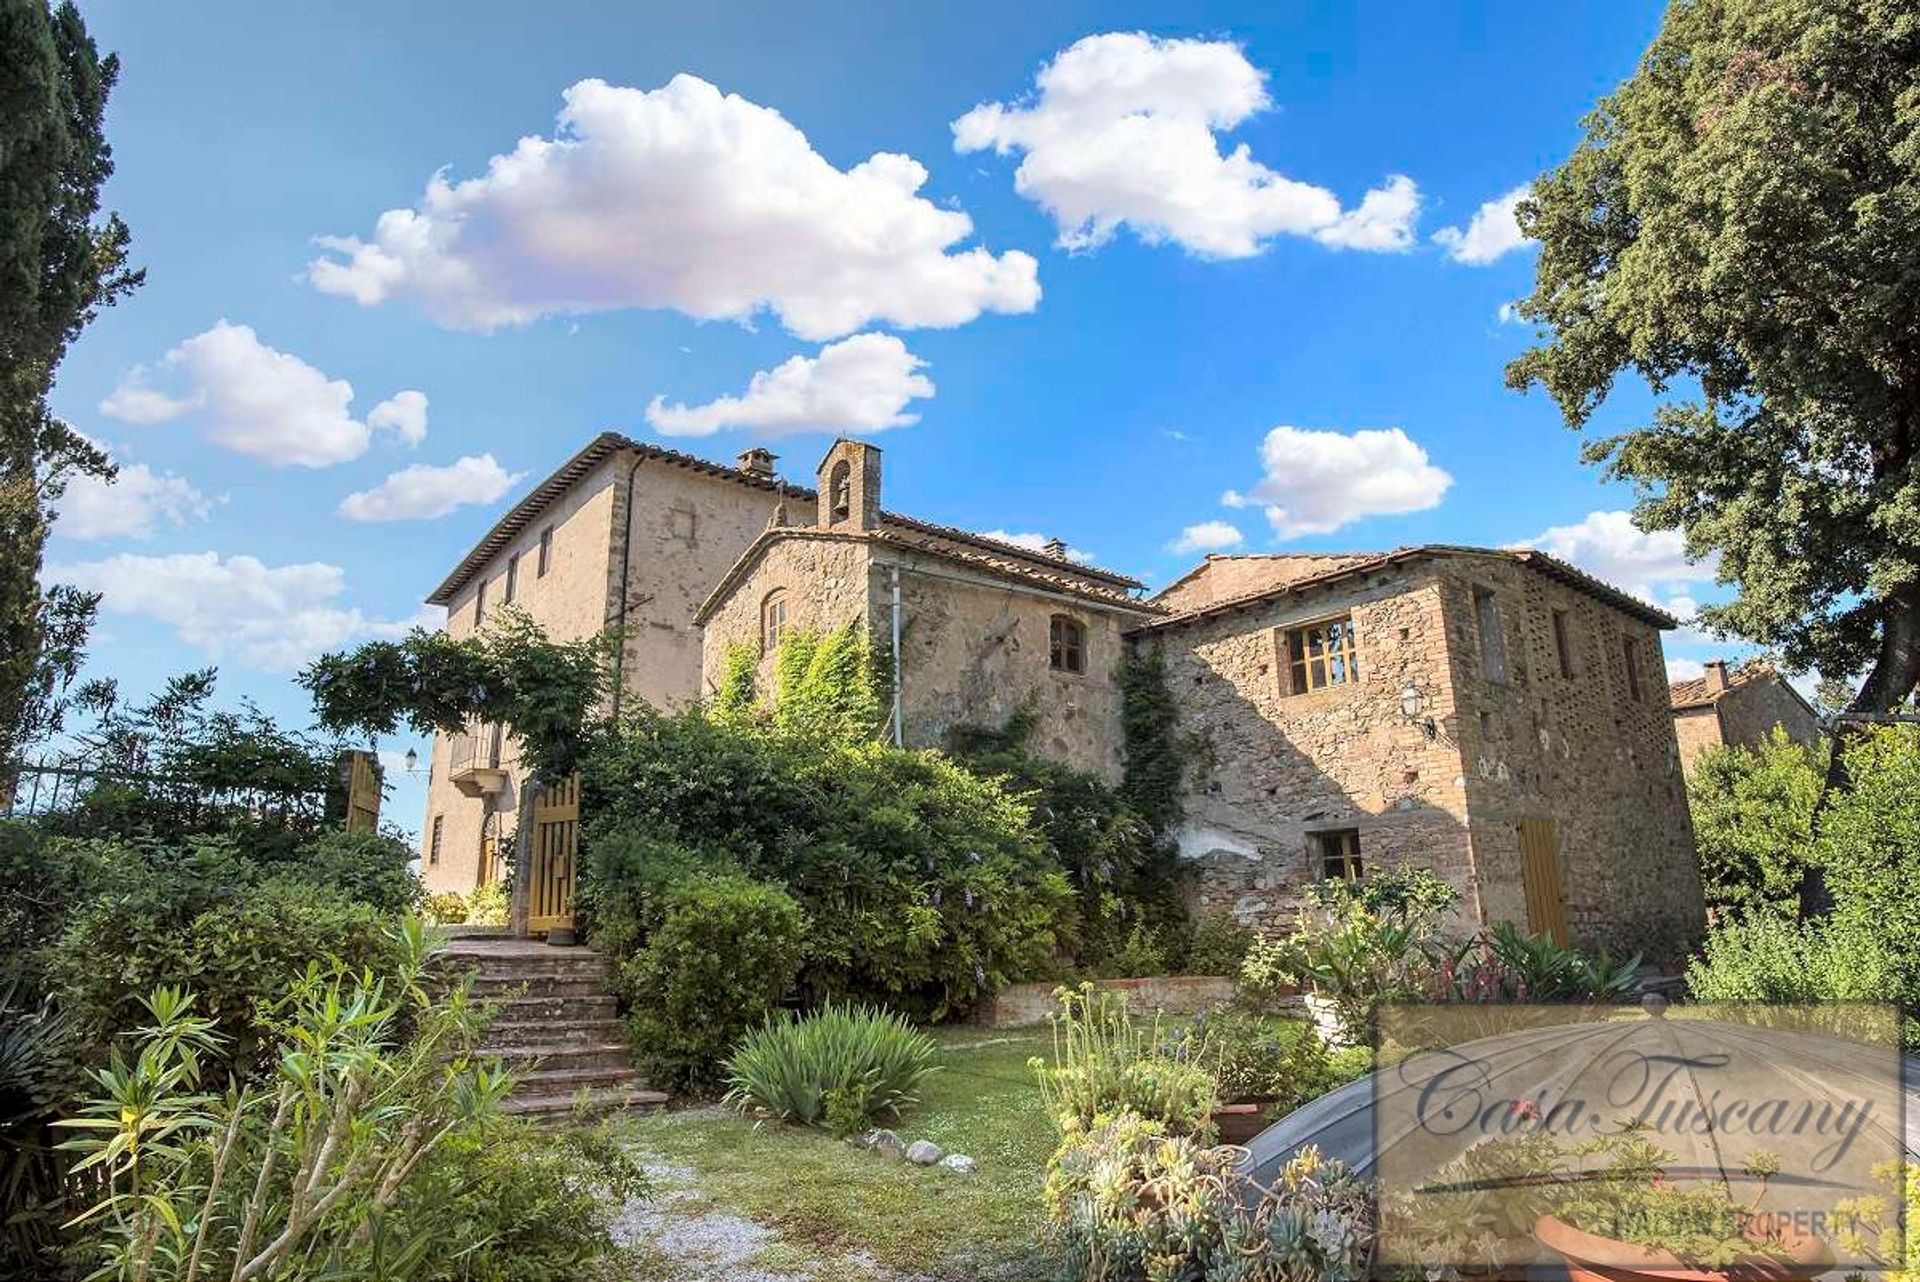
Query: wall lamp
{"points": [[1412, 703]]}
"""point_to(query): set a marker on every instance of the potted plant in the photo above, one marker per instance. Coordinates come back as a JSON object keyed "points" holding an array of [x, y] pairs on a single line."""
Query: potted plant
{"points": [[1627, 1221]]}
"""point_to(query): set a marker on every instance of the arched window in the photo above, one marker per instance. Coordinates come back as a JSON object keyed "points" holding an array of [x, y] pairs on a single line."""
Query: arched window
{"points": [[773, 619], [840, 492], [1066, 644]]}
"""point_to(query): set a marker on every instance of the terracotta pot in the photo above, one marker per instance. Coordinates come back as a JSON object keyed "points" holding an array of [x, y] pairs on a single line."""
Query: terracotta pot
{"points": [[1241, 1120], [1591, 1258]]}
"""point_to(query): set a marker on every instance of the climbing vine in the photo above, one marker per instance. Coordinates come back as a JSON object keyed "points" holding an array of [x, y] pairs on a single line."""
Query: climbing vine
{"points": [[547, 693], [1157, 755]]}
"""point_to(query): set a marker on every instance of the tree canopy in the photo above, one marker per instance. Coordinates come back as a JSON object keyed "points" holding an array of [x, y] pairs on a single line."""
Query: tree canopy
{"points": [[1740, 226], [59, 263]]}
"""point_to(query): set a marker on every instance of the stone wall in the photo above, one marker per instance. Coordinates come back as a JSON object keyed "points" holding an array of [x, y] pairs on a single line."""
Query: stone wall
{"points": [[1024, 1005], [975, 649], [1695, 730], [1275, 767], [687, 529], [569, 601], [824, 580], [1585, 750], [1751, 709]]}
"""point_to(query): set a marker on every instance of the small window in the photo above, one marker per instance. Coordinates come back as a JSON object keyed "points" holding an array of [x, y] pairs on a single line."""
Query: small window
{"points": [[545, 560], [433, 844], [1338, 851], [840, 492], [773, 620], [1630, 654], [1066, 644], [513, 579], [1322, 655], [1563, 642], [1493, 643], [480, 604]]}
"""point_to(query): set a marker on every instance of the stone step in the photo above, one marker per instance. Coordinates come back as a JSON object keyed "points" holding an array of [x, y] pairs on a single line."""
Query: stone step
{"points": [[563, 1057], [595, 970], [565, 1082], [540, 987], [554, 1010], [606, 1099], [502, 1036]]}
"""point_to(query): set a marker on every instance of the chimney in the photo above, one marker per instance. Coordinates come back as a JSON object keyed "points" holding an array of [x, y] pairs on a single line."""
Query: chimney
{"points": [[757, 462], [1056, 548], [1716, 675]]}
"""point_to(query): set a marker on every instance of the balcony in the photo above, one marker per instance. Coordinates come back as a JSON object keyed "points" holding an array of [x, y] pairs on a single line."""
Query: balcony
{"points": [[474, 762]]}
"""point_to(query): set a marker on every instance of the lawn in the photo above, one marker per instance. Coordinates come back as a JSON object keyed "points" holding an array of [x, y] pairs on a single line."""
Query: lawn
{"points": [[773, 1201]]}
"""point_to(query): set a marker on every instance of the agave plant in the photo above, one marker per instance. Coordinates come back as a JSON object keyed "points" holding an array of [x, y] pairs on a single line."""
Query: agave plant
{"points": [[37, 1075], [841, 1066]]}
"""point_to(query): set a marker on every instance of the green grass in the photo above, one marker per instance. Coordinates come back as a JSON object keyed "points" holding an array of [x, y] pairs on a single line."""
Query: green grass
{"points": [[829, 1199]]}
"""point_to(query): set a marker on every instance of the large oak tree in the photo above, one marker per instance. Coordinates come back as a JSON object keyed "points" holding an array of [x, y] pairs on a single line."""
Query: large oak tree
{"points": [[59, 263], [1740, 226]]}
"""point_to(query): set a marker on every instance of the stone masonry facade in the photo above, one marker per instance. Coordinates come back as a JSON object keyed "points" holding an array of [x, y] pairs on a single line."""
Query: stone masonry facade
{"points": [[1501, 718], [1738, 708]]}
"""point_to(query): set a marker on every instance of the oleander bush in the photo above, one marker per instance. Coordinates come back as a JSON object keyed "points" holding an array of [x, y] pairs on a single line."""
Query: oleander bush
{"points": [[840, 1067]]}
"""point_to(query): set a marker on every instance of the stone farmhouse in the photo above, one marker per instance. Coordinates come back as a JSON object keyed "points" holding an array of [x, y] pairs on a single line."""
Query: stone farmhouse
{"points": [[1738, 708], [1493, 715]]}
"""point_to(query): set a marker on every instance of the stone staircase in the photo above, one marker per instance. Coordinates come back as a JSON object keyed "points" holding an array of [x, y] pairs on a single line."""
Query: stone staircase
{"points": [[557, 1027]]}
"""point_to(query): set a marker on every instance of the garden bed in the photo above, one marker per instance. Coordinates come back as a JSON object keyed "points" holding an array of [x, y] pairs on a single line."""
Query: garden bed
{"points": [[1026, 1005], [740, 1201]]}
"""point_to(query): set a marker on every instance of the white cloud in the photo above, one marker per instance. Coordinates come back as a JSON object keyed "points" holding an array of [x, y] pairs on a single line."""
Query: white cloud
{"points": [[274, 618], [1208, 536], [680, 197], [131, 506], [1122, 131], [1684, 669], [860, 384], [1316, 482], [423, 492], [1509, 314], [404, 414], [1035, 543], [1491, 234], [257, 400], [1610, 547]]}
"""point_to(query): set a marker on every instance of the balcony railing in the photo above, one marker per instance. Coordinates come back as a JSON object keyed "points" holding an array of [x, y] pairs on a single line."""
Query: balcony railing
{"points": [[474, 759]]}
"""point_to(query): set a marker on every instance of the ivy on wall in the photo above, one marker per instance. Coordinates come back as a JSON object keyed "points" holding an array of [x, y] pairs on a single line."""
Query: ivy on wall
{"points": [[1157, 755]]}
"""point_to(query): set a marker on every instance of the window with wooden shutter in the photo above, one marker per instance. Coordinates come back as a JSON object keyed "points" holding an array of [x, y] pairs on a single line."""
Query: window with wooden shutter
{"points": [[1338, 852]]}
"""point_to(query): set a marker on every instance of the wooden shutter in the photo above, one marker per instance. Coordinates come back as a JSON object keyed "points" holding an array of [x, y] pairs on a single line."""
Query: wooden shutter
{"points": [[1540, 875]]}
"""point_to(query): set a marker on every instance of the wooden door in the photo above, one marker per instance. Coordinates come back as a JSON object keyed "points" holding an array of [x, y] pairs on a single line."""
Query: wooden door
{"points": [[556, 840], [1540, 875]]}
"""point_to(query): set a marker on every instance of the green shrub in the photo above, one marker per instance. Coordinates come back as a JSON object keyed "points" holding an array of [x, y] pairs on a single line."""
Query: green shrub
{"points": [[1771, 959], [721, 953], [448, 908], [1406, 892], [841, 1067], [537, 1204], [1753, 821], [243, 948], [1251, 1056], [1128, 1202], [38, 1075], [1869, 844], [372, 868], [1105, 1064], [1219, 946], [925, 887], [487, 905]]}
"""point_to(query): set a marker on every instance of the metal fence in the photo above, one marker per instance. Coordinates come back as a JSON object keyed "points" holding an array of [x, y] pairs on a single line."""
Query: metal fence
{"points": [[55, 790]]}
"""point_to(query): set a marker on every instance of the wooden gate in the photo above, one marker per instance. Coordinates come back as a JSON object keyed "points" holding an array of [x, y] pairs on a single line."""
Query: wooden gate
{"points": [[556, 840], [362, 773], [1540, 875]]}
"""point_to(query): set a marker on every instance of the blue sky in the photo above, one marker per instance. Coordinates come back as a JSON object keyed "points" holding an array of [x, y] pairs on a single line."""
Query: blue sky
{"points": [[1110, 345]]}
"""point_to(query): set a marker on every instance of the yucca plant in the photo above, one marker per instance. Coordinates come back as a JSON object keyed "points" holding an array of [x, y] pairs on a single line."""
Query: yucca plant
{"points": [[840, 1067], [37, 1074]]}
